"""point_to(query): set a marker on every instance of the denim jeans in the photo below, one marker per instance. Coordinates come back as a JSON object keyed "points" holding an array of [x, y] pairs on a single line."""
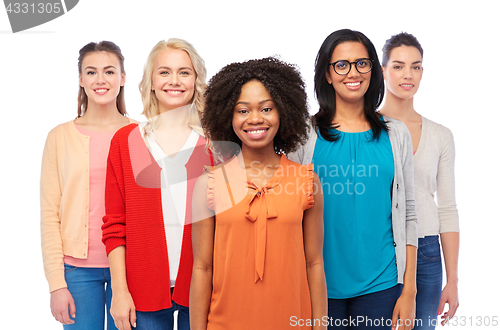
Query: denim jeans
{"points": [[369, 311], [91, 291], [429, 282], [164, 319]]}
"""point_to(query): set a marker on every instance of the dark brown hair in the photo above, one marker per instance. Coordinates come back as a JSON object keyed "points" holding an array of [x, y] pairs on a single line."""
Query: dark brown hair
{"points": [[103, 46], [398, 40]]}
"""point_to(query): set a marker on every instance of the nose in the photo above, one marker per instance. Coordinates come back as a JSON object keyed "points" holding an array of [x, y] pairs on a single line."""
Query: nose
{"points": [[174, 80], [101, 78], [255, 117], [408, 74], [353, 72]]}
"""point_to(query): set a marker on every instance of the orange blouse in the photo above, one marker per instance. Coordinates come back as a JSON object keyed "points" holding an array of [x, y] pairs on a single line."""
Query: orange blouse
{"points": [[259, 266]]}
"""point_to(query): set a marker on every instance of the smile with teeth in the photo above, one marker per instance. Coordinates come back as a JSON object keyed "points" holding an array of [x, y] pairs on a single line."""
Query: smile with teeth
{"points": [[258, 131], [406, 85], [101, 90], [174, 92], [353, 84]]}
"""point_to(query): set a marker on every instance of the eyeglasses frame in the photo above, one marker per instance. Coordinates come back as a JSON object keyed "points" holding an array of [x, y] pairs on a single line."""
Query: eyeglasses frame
{"points": [[350, 66]]}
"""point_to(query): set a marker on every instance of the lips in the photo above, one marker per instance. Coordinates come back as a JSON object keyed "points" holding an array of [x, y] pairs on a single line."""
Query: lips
{"points": [[101, 91], [407, 87], [353, 85], [174, 92], [257, 132]]}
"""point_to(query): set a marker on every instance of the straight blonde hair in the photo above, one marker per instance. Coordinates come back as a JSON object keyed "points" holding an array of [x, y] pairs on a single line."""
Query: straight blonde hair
{"points": [[149, 100]]}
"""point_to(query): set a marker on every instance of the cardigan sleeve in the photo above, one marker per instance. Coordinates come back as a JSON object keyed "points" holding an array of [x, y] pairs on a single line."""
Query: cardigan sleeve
{"points": [[114, 221], [304, 153], [447, 208], [408, 177], [50, 224]]}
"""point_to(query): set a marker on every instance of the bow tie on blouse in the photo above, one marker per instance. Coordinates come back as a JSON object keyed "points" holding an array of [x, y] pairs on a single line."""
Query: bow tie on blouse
{"points": [[260, 209]]}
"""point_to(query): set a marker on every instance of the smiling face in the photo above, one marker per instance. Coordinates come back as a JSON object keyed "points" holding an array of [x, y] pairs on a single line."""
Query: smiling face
{"points": [[349, 88], [403, 72], [255, 117], [173, 80], [101, 78]]}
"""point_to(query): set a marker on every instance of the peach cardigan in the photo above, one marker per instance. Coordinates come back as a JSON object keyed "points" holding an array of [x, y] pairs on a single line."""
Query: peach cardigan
{"points": [[64, 198]]}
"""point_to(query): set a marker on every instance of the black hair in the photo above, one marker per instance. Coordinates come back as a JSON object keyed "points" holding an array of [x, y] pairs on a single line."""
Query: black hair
{"points": [[326, 95], [283, 82]]}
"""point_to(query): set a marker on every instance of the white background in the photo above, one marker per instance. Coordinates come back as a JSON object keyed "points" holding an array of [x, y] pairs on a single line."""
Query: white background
{"points": [[39, 84]]}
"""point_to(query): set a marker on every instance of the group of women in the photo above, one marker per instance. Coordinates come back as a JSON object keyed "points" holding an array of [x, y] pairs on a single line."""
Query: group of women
{"points": [[231, 208]]}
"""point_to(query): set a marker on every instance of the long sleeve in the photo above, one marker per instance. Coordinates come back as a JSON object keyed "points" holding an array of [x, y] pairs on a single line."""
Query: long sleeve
{"points": [[113, 228], [447, 208], [50, 224], [408, 176]]}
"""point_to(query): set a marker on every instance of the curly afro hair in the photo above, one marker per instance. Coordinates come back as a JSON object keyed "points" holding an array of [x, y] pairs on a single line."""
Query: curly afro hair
{"points": [[286, 87]]}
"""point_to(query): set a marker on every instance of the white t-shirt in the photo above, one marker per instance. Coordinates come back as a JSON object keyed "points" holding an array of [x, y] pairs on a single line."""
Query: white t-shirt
{"points": [[173, 195]]}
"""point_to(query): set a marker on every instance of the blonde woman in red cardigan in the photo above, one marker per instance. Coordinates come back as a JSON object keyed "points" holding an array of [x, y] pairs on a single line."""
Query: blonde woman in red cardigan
{"points": [[72, 192], [152, 169]]}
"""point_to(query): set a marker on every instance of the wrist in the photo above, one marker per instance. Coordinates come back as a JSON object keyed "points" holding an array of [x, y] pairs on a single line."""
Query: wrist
{"points": [[452, 280], [119, 289], [409, 290]]}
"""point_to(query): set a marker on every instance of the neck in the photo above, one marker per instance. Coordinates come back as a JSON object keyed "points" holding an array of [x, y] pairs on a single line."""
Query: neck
{"points": [[101, 114], [174, 119], [398, 108], [258, 158], [349, 114]]}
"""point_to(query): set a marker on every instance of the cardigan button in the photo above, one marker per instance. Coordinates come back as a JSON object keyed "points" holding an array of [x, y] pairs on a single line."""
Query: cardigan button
{"points": [[395, 244], [397, 205], [397, 185]]}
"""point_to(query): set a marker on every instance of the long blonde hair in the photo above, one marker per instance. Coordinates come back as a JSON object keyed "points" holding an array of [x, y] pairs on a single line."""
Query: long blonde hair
{"points": [[149, 100]]}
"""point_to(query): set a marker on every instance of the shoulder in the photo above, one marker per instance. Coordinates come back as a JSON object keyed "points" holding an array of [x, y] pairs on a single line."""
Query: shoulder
{"points": [[124, 132], [133, 121], [395, 124], [292, 168], [441, 130], [63, 128], [397, 130]]}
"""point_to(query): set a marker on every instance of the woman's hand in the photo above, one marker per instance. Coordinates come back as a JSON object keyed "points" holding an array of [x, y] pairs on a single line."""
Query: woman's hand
{"points": [[61, 301], [123, 310], [404, 312], [449, 296]]}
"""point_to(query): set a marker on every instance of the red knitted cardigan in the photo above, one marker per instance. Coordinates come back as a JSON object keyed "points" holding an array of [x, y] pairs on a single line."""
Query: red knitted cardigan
{"points": [[134, 219]]}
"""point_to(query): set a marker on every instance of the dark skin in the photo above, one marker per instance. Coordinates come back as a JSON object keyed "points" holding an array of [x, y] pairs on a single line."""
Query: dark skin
{"points": [[255, 118]]}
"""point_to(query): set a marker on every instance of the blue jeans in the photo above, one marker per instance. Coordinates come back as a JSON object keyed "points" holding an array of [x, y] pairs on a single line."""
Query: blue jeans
{"points": [[164, 319], [91, 291], [369, 311], [429, 282]]}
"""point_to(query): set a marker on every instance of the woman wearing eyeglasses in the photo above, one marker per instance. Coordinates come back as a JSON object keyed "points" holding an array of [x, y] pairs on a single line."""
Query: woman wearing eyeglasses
{"points": [[434, 157], [365, 165]]}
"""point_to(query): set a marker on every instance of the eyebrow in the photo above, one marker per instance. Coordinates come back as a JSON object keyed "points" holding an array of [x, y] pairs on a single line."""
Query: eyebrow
{"points": [[263, 101], [166, 67], [405, 63], [94, 68]]}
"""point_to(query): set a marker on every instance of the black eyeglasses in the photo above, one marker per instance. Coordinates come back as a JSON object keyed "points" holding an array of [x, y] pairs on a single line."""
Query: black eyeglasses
{"points": [[343, 67]]}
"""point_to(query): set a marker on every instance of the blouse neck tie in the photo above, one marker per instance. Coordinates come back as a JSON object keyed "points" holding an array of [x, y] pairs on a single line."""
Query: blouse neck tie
{"points": [[261, 208]]}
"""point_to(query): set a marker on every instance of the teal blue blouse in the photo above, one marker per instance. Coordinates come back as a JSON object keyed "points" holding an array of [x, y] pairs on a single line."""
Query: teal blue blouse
{"points": [[356, 173]]}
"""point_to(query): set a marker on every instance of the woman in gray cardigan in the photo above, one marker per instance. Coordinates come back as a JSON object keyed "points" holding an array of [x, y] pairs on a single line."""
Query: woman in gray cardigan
{"points": [[434, 158], [365, 165]]}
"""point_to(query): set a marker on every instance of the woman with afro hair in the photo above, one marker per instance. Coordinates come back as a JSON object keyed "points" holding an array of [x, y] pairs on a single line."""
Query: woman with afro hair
{"points": [[258, 235]]}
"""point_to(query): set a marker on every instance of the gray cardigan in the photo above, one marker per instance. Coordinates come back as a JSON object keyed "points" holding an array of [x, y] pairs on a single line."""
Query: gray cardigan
{"points": [[404, 216]]}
